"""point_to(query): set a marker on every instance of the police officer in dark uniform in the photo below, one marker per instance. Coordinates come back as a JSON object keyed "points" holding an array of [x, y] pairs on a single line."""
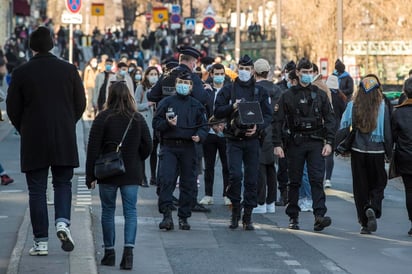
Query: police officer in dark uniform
{"points": [[166, 87], [187, 63], [242, 144], [282, 172], [311, 124], [181, 121]]}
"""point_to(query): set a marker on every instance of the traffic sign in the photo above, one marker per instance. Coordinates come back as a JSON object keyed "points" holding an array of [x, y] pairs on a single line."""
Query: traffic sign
{"points": [[175, 18], [160, 14], [175, 9], [74, 5], [209, 22], [209, 11], [148, 16], [71, 18], [190, 23], [98, 9]]}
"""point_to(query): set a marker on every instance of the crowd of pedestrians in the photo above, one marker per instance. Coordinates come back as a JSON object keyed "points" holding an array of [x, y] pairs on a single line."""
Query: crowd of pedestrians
{"points": [[174, 106]]}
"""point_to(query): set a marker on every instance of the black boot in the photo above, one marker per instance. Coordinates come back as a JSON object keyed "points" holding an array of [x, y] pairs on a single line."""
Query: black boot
{"points": [[127, 259], [167, 222], [247, 219], [183, 224], [234, 220], [283, 199], [109, 257]]}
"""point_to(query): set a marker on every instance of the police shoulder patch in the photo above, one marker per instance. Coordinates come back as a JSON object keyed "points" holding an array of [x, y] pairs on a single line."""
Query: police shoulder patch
{"points": [[276, 107]]}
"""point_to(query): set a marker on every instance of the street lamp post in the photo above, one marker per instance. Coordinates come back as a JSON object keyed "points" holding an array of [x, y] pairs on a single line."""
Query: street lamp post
{"points": [[278, 60], [339, 26]]}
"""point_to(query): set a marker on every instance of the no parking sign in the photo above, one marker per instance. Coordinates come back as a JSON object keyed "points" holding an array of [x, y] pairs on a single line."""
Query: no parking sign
{"points": [[209, 22], [74, 5]]}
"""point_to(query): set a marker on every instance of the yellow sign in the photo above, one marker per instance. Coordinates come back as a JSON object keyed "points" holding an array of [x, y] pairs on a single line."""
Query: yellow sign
{"points": [[98, 9], [160, 15]]}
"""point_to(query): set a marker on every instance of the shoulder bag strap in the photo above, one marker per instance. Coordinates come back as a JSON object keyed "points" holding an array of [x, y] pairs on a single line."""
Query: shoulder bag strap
{"points": [[125, 133]]}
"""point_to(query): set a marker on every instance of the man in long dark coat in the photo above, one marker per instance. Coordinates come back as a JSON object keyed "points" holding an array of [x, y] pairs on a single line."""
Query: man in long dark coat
{"points": [[45, 100]]}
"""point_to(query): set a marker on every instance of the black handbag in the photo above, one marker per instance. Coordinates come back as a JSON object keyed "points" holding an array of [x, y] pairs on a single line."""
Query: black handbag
{"points": [[393, 170], [111, 163], [344, 140]]}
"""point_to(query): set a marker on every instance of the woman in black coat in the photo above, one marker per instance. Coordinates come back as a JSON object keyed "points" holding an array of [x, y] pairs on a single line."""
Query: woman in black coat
{"points": [[402, 134], [108, 127]]}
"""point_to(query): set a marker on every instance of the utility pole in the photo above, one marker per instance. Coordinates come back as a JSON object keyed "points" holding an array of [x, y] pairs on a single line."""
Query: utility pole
{"points": [[278, 60], [339, 27]]}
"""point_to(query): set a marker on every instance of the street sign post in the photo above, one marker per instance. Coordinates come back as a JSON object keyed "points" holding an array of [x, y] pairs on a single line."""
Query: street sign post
{"points": [[74, 7]]}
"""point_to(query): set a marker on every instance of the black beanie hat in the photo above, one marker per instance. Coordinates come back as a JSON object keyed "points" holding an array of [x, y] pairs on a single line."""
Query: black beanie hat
{"points": [[291, 65], [41, 40], [339, 66]]}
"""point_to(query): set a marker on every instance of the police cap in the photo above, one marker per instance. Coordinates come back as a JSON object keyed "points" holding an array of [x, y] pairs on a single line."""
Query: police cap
{"points": [[184, 75], [245, 60], [186, 50]]}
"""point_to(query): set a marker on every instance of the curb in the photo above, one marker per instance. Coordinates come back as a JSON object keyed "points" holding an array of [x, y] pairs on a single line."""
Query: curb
{"points": [[17, 252]]}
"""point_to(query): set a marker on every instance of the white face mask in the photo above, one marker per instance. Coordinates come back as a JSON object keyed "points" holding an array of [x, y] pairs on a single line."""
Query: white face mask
{"points": [[153, 79], [244, 75]]}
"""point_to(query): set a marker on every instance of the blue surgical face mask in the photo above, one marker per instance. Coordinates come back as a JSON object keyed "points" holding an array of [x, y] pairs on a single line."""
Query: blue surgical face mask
{"points": [[218, 79], [289, 84], [244, 75], [183, 89], [108, 67], [153, 79], [122, 73], [138, 77], [306, 78]]}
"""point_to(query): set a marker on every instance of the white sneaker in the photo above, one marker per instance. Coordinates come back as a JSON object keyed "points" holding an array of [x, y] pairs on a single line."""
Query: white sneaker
{"points": [[270, 208], [228, 202], [207, 200], [63, 233], [327, 184], [39, 249], [260, 209]]}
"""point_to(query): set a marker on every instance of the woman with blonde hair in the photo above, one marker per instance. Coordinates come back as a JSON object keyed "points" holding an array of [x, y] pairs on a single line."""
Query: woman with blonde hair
{"points": [[106, 134], [369, 115]]}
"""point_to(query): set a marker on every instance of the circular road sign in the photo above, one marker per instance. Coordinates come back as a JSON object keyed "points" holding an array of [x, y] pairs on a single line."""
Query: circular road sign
{"points": [[209, 22], [74, 5], [175, 18]]}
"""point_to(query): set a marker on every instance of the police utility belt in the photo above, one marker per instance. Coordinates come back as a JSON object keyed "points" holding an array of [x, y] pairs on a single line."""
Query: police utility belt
{"points": [[176, 142]]}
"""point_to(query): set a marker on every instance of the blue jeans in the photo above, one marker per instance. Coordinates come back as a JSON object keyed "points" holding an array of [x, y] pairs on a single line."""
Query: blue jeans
{"points": [[37, 185], [305, 190], [1, 169], [108, 195]]}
